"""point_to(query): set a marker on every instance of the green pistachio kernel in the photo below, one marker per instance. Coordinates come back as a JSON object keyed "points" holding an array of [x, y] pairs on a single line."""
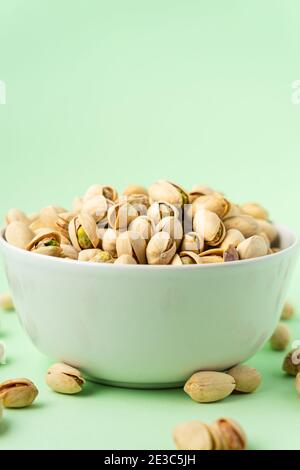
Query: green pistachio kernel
{"points": [[83, 240], [52, 243]]}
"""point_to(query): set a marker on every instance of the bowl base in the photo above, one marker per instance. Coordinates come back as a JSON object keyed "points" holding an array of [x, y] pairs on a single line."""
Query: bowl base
{"points": [[137, 385]]}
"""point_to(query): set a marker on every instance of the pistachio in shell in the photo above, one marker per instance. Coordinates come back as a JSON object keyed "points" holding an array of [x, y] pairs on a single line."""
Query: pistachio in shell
{"points": [[173, 227], [269, 229], [16, 215], [252, 247], [96, 206], [68, 251], [125, 259], [209, 226], [109, 241], [17, 393], [288, 311], [291, 362], [193, 435], [188, 257], [247, 379], [199, 190], [232, 237], [192, 241], [160, 249], [209, 386], [255, 210], [121, 215], [135, 189], [160, 209], [230, 435], [213, 202], [63, 378], [95, 255], [131, 243], [246, 224], [83, 232], [280, 338], [144, 226], [18, 234], [101, 190], [170, 192]]}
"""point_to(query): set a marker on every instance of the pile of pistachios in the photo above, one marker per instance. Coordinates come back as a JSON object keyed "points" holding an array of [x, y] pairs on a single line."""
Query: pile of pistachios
{"points": [[162, 225]]}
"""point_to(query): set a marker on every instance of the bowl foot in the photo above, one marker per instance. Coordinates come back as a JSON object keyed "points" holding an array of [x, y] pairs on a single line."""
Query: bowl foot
{"points": [[138, 385]]}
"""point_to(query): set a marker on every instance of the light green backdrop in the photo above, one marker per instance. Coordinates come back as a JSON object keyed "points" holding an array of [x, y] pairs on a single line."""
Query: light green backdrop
{"points": [[134, 90]]}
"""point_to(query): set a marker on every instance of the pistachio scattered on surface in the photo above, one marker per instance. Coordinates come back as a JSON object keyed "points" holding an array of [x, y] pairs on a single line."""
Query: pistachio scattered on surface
{"points": [[228, 435], [291, 362], [287, 311], [6, 301], [247, 379], [64, 379], [17, 393], [209, 386], [280, 338]]}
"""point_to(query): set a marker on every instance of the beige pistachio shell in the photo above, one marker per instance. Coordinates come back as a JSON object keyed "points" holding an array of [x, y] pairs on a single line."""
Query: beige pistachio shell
{"points": [[55, 251], [255, 210], [100, 190], [246, 224], [125, 259], [160, 209], [176, 261], [189, 257], [209, 386], [269, 229], [17, 393], [95, 255], [87, 224], [135, 189], [192, 241], [16, 215], [252, 247], [209, 226], [280, 338], [132, 244], [121, 215], [287, 311], [139, 201], [192, 436], [211, 259], [167, 191], [213, 202], [247, 379], [62, 222], [161, 249], [44, 238], [68, 251], [199, 190], [232, 237], [173, 227], [109, 241], [18, 234], [47, 217], [231, 435], [64, 379], [144, 226], [96, 206]]}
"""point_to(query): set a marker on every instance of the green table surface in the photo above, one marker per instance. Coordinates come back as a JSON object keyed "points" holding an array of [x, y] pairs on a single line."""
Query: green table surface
{"points": [[103, 417]]}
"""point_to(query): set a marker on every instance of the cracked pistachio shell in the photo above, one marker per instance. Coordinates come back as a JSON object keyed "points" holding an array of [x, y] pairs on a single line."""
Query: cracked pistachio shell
{"points": [[255, 210], [280, 338], [17, 393], [132, 244], [96, 206], [144, 226], [45, 238], [193, 435], [160, 209], [55, 251], [199, 190], [109, 241], [64, 379], [121, 215], [169, 192], [269, 229], [209, 226], [209, 386], [160, 249], [83, 232], [135, 189], [246, 224], [18, 234], [213, 202], [229, 434], [291, 362], [176, 261], [247, 379], [192, 241], [16, 215], [252, 247], [6, 301], [173, 227], [100, 190], [232, 237], [188, 257], [231, 254], [287, 311], [125, 259], [211, 259], [68, 251]]}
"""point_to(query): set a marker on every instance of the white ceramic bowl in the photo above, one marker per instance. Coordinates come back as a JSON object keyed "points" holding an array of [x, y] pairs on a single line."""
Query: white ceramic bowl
{"points": [[149, 326]]}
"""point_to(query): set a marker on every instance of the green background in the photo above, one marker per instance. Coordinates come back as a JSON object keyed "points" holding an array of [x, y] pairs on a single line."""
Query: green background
{"points": [[130, 91]]}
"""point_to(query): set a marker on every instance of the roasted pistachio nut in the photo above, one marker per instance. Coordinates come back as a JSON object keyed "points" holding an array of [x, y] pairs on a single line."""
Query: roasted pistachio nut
{"points": [[6, 301], [247, 379], [121, 215], [160, 249], [233, 237], [143, 225], [228, 434], [17, 393], [252, 247], [255, 210], [173, 227], [291, 362], [160, 209], [287, 311], [192, 241], [213, 202], [18, 234], [280, 338], [193, 436], [135, 189], [64, 379], [125, 259], [83, 232], [170, 192], [209, 226], [246, 224], [15, 215], [209, 386], [132, 244], [101, 190]]}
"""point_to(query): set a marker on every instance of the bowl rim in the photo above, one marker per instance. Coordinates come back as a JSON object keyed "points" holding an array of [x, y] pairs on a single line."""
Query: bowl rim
{"points": [[4, 245]]}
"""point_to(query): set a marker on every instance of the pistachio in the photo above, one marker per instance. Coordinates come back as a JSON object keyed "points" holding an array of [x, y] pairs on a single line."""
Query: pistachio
{"points": [[109, 241], [230, 435], [297, 382], [208, 386], [68, 251], [291, 362], [160, 249], [199, 190], [47, 218], [99, 190], [231, 254], [192, 436], [97, 207], [211, 259], [63, 378], [192, 241], [269, 229], [246, 224], [95, 255], [15, 215], [255, 210], [173, 227], [18, 234], [143, 225], [169, 192], [139, 201], [83, 232], [135, 189], [280, 338], [6, 301], [209, 226], [17, 393], [213, 202], [121, 215], [287, 311], [233, 237], [187, 257], [252, 247], [125, 259], [160, 209], [247, 379], [132, 244]]}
